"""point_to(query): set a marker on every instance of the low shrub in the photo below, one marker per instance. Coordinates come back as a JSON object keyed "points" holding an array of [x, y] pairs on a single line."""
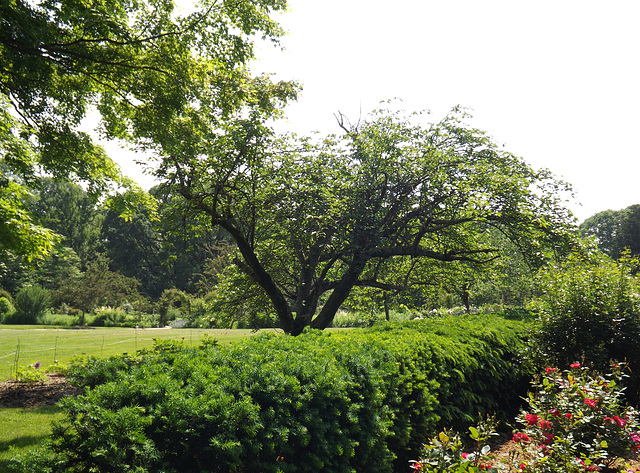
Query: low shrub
{"points": [[6, 309], [31, 303], [332, 402], [109, 317], [30, 374], [59, 319]]}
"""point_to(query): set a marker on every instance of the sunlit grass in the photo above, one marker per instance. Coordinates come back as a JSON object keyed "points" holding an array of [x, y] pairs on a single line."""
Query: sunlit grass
{"points": [[22, 345], [23, 429]]}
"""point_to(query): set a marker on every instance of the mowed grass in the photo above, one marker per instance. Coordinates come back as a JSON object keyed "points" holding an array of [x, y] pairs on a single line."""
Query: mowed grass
{"points": [[24, 429], [24, 345]]}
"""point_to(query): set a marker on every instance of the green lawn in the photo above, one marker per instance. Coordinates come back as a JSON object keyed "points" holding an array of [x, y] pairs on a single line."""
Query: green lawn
{"points": [[24, 429], [23, 345]]}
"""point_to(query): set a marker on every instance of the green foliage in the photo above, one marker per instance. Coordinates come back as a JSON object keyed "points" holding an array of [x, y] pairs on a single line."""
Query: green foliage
{"points": [[590, 312], [384, 205], [576, 422], [6, 308], [111, 317], [30, 374], [31, 304], [145, 68], [98, 286], [448, 453], [578, 419], [615, 231], [332, 402]]}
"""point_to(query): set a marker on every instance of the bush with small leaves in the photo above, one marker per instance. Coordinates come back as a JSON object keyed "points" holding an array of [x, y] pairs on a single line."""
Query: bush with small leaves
{"points": [[6, 308]]}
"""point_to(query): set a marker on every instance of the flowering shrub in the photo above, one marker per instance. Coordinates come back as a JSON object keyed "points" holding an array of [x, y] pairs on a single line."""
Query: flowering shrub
{"points": [[576, 422], [591, 312], [447, 453]]}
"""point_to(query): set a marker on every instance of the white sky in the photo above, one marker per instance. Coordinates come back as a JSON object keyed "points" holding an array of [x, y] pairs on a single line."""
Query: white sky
{"points": [[557, 82]]}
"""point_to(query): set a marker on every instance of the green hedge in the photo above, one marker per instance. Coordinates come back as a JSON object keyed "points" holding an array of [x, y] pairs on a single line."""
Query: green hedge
{"points": [[356, 400]]}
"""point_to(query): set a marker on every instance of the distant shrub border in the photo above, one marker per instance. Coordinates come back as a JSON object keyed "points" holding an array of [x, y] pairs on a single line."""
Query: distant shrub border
{"points": [[360, 400]]}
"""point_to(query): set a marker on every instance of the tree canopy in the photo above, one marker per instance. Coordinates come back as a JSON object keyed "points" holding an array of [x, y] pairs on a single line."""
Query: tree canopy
{"points": [[139, 63], [369, 207], [615, 231]]}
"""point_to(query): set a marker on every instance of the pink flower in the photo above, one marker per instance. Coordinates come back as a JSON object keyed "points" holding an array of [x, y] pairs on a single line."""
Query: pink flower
{"points": [[532, 419], [465, 455], [574, 365], [590, 402], [549, 370], [36, 365], [417, 466], [520, 437]]}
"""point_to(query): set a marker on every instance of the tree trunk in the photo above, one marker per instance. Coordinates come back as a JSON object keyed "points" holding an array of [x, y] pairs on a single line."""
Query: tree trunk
{"points": [[465, 298], [339, 294], [254, 269]]}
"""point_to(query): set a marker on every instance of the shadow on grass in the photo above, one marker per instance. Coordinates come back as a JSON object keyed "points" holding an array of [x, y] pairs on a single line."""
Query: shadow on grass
{"points": [[21, 445]]}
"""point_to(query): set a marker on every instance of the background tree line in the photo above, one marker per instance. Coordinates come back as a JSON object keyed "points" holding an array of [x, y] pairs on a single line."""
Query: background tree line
{"points": [[153, 263]]}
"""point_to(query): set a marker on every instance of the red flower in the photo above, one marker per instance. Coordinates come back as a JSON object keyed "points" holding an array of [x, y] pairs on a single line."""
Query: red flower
{"points": [[591, 402], [532, 419], [545, 424], [465, 455], [549, 370], [554, 412], [417, 466], [568, 415], [621, 422], [574, 365], [548, 437], [520, 437]]}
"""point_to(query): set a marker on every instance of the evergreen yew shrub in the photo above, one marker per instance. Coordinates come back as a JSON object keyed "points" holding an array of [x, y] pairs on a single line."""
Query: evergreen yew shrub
{"points": [[358, 400]]}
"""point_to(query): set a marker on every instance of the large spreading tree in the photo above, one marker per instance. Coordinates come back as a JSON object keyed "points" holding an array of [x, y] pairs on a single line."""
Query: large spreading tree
{"points": [[369, 207]]}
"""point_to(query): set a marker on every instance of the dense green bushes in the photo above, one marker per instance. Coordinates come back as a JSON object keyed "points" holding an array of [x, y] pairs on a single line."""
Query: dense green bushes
{"points": [[590, 312], [332, 402], [31, 304]]}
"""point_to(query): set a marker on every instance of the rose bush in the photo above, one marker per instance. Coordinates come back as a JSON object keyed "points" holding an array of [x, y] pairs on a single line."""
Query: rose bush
{"points": [[575, 422]]}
